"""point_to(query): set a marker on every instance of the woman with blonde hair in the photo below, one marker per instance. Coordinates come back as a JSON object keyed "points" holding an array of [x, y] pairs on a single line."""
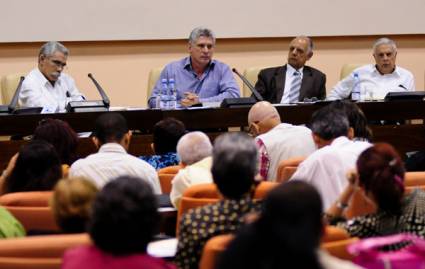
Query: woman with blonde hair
{"points": [[71, 204]]}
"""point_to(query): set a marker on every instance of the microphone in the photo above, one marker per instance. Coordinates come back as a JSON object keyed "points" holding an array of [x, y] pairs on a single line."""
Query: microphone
{"points": [[102, 93], [90, 106], [401, 86], [15, 98], [256, 94]]}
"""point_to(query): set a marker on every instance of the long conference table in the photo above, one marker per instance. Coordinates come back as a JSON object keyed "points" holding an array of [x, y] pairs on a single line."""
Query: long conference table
{"points": [[405, 137]]}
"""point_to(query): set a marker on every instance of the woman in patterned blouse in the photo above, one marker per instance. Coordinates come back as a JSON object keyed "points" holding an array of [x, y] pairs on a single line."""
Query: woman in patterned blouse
{"points": [[381, 177]]}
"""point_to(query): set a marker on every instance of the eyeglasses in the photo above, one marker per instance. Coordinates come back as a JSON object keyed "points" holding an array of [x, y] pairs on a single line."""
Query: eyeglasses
{"points": [[58, 63]]}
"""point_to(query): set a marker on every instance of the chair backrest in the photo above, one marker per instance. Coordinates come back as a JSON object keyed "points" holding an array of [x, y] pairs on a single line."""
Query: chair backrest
{"points": [[152, 79], [29, 199], [333, 233], [34, 218], [339, 248], [263, 188], [38, 251], [212, 249], [173, 169], [347, 69], [287, 168], [8, 86], [251, 75], [414, 179], [32, 209], [165, 182]]}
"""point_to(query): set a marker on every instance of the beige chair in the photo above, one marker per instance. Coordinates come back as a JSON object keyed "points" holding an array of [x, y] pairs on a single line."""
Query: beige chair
{"points": [[8, 86], [347, 69], [251, 75], [153, 77]]}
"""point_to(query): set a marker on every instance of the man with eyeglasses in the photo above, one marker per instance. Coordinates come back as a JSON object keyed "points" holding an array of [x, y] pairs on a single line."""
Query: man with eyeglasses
{"points": [[276, 141], [294, 81], [198, 77], [46, 86]]}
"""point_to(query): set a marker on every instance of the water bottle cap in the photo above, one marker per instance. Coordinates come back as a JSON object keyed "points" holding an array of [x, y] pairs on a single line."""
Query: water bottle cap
{"points": [[164, 80], [171, 80]]}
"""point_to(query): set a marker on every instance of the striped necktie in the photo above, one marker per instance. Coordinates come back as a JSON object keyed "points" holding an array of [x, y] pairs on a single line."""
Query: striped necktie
{"points": [[294, 92]]}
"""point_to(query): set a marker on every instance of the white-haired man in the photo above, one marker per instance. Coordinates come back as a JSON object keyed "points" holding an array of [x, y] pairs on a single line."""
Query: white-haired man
{"points": [[376, 80], [194, 150], [46, 86]]}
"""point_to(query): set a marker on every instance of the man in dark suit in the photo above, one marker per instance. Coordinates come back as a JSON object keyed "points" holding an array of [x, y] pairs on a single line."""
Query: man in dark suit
{"points": [[294, 81]]}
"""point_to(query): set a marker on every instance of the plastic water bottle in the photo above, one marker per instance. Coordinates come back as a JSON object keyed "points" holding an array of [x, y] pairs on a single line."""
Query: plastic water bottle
{"points": [[173, 94], [164, 98], [356, 90]]}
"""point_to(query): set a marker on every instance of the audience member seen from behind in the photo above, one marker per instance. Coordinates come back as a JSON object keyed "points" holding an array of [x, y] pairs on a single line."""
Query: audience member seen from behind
{"points": [[356, 119], [71, 204], [35, 168], [61, 136], [234, 169], [124, 220], [288, 229], [194, 150], [112, 137], [166, 134], [381, 179]]}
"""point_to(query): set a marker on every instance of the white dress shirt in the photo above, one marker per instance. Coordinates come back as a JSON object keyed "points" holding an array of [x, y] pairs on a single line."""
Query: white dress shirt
{"points": [[326, 168], [373, 81], [37, 91], [288, 82], [197, 173], [111, 162]]}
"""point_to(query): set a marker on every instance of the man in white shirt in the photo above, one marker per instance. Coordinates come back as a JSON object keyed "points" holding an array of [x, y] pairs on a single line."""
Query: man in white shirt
{"points": [[46, 86], [375, 81], [112, 137], [277, 141], [326, 168], [194, 150]]}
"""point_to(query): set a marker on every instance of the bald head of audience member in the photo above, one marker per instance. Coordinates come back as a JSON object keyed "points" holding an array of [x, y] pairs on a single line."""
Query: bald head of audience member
{"points": [[193, 147], [111, 128], [329, 123], [262, 117]]}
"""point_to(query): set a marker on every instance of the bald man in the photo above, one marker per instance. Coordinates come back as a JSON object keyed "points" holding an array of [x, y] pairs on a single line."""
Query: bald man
{"points": [[277, 141], [294, 81]]}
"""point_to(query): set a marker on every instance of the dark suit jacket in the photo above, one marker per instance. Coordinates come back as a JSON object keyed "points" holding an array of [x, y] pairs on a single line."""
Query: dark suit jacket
{"points": [[271, 83]]}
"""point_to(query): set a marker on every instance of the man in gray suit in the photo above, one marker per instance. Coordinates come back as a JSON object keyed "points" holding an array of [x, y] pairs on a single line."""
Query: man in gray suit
{"points": [[294, 81]]}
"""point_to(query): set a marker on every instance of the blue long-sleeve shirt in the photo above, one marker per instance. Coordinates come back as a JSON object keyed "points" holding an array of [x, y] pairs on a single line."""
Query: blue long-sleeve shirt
{"points": [[215, 84]]}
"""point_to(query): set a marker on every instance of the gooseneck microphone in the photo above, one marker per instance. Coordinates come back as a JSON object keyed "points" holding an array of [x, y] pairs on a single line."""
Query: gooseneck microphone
{"points": [[256, 94], [102, 93], [15, 98]]}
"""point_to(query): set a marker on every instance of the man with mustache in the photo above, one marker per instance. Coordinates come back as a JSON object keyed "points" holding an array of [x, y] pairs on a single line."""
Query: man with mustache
{"points": [[198, 77], [46, 86], [376, 80], [294, 81]]}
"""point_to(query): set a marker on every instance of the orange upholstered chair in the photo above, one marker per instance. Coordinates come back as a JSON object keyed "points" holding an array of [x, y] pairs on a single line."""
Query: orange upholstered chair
{"points": [[287, 168], [38, 251], [414, 179], [165, 182], [174, 169], [333, 233], [339, 248], [212, 249], [31, 209]]}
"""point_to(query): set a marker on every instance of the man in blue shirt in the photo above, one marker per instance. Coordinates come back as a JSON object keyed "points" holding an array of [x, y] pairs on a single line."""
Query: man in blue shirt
{"points": [[198, 77]]}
